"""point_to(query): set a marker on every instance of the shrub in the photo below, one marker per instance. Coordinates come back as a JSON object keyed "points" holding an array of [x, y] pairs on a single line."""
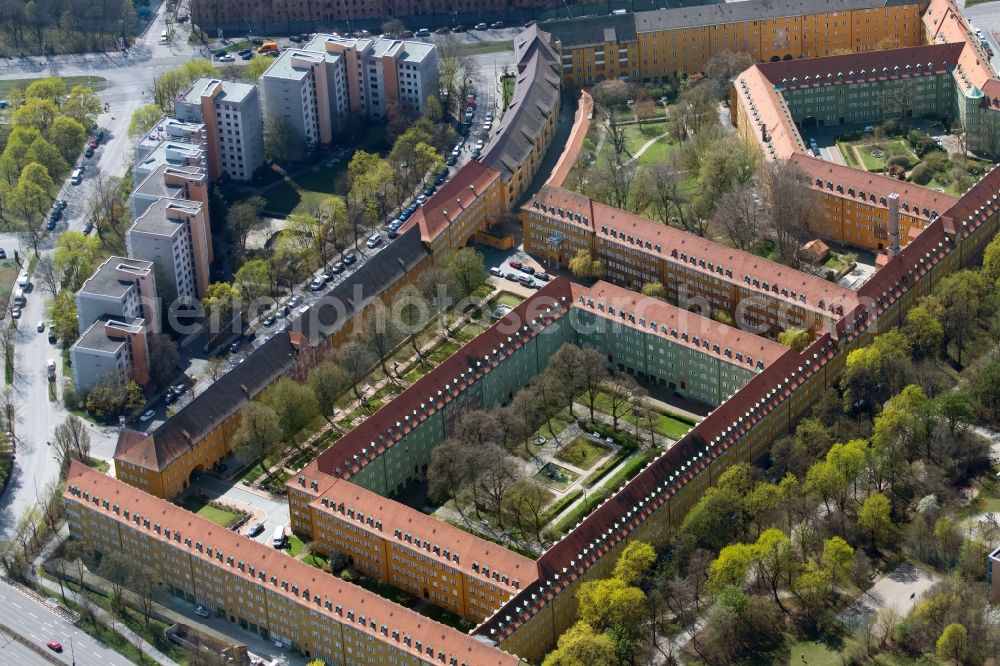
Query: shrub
{"points": [[921, 174], [937, 161], [900, 160], [853, 135], [893, 127], [921, 142]]}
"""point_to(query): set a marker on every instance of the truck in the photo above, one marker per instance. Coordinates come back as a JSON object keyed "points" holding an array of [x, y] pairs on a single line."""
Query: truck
{"points": [[268, 47], [278, 540]]}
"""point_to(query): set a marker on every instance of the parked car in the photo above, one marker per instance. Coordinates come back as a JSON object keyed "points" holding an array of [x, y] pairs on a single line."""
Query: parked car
{"points": [[246, 52], [496, 272], [180, 389], [338, 267], [169, 397], [61, 204], [220, 53], [450, 160], [422, 32], [430, 190], [439, 181], [256, 530], [296, 39], [515, 264], [317, 283], [227, 58], [350, 259], [295, 301], [92, 141], [528, 269], [3, 253], [52, 334], [88, 227], [200, 611], [526, 281], [422, 199], [496, 25], [480, 26], [544, 277], [511, 277], [246, 56], [374, 241], [443, 30], [148, 416], [284, 310], [234, 347], [476, 152], [269, 320], [89, 152], [15, 313]]}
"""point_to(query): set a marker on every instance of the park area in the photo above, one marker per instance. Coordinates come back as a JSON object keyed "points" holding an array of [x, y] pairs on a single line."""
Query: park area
{"points": [[305, 190]]}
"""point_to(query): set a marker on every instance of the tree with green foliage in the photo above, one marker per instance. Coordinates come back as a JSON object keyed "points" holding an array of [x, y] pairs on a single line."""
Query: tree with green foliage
{"points": [[259, 435], [255, 281], [144, 119], [955, 408], [82, 105], [953, 644], [873, 373], [328, 381], [51, 88], [874, 518], [463, 271], [293, 403], [924, 330], [583, 265], [607, 602], [241, 218], [795, 338], [257, 66], [42, 152], [67, 135], [61, 311], [634, 562], [991, 261], [164, 359], [281, 142], [732, 566], [75, 258], [961, 295], [986, 390], [171, 83], [838, 557], [36, 113], [654, 290], [580, 645]]}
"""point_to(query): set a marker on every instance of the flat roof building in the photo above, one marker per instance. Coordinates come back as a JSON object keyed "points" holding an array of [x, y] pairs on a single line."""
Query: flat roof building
{"points": [[174, 235], [121, 287], [234, 126], [110, 350]]}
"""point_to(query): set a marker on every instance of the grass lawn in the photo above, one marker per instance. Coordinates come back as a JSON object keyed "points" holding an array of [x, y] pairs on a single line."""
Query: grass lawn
{"points": [[443, 351], [295, 545], [317, 560], [101, 466], [216, 514], [418, 371], [636, 137], [306, 190], [890, 148], [582, 453], [469, 331], [835, 262], [478, 48], [507, 298], [508, 89], [664, 424], [818, 653], [95, 83], [8, 278]]}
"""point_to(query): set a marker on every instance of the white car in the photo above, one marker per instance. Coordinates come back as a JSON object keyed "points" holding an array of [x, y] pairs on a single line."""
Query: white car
{"points": [[200, 611], [227, 58], [374, 241], [148, 416], [317, 283]]}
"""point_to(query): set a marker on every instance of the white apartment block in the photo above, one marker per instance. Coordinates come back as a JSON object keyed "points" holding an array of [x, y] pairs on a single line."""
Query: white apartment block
{"points": [[318, 86], [111, 349], [174, 236], [234, 127], [121, 287]]}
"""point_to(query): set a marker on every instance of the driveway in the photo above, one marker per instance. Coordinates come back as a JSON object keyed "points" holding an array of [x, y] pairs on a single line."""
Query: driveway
{"points": [[901, 590], [266, 508]]}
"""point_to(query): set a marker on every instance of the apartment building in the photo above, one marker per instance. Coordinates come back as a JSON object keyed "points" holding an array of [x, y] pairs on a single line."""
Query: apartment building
{"points": [[667, 43], [199, 435], [469, 203], [110, 350], [170, 142], [180, 183], [524, 130], [330, 79], [314, 613], [175, 236], [993, 575], [123, 288], [234, 127], [760, 295]]}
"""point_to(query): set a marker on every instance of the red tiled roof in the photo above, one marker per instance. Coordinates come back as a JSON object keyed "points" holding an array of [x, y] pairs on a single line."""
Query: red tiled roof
{"points": [[467, 185], [914, 200], [680, 327], [946, 25], [375, 609], [769, 115], [393, 518]]}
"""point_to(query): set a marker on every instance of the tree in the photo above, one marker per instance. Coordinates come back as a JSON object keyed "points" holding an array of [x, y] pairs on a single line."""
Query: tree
{"points": [[171, 83], [82, 105], [164, 359], [795, 338], [615, 181], [259, 434], [144, 119], [581, 646], [524, 504], [669, 199], [725, 65], [119, 570], [792, 207], [75, 258], [71, 441], [357, 359], [242, 217], [144, 585], [381, 334], [610, 601], [991, 261], [634, 562], [42, 152], [961, 297], [37, 113], [293, 403], [51, 88], [220, 301], [61, 312], [953, 644], [923, 328], [281, 143], [67, 135], [955, 408], [254, 281], [654, 290], [108, 210], [328, 381], [257, 66], [838, 557], [731, 566], [583, 265], [986, 389], [874, 518], [462, 271], [742, 214]]}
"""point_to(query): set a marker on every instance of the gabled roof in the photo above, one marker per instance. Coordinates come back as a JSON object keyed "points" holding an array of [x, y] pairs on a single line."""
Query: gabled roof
{"points": [[238, 556], [454, 197], [592, 30]]}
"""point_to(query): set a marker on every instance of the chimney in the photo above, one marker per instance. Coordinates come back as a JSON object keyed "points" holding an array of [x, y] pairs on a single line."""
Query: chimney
{"points": [[893, 248], [472, 188], [763, 133]]}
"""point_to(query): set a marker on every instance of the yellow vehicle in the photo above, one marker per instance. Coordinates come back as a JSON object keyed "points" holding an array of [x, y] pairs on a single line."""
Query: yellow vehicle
{"points": [[267, 47]]}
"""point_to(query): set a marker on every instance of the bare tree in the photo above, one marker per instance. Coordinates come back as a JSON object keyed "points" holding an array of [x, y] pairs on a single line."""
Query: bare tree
{"points": [[742, 215], [615, 132], [144, 585], [216, 367], [669, 200], [71, 441], [106, 209], [616, 179], [898, 99], [792, 207], [46, 270], [619, 391]]}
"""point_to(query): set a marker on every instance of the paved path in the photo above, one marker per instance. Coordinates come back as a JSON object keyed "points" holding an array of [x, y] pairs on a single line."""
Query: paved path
{"points": [[901, 589], [646, 146]]}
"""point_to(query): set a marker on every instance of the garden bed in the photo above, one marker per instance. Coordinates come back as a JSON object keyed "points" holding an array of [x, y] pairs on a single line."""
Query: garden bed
{"points": [[582, 452], [556, 476]]}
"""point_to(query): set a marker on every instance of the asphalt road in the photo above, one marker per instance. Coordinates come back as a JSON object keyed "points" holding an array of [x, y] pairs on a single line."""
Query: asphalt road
{"points": [[986, 17], [129, 80], [40, 624]]}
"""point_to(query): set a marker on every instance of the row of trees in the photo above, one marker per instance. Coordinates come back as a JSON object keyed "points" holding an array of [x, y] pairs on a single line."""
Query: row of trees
{"points": [[64, 26]]}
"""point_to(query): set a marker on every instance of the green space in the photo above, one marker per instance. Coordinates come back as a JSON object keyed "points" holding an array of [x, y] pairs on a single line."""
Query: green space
{"points": [[305, 190], [468, 332], [637, 135], [556, 476], [478, 48], [95, 83], [443, 351], [217, 513], [508, 89], [668, 425], [101, 466], [888, 149], [582, 452], [837, 262], [295, 545], [507, 298]]}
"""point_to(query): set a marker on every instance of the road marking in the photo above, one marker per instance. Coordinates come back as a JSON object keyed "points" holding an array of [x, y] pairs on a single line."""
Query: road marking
{"points": [[32, 615], [15, 605]]}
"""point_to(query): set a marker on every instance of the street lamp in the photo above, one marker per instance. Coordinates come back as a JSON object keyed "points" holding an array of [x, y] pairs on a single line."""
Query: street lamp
{"points": [[72, 652]]}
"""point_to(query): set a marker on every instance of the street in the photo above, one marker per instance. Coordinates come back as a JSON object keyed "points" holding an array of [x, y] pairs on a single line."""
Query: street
{"points": [[128, 82], [41, 624], [986, 17]]}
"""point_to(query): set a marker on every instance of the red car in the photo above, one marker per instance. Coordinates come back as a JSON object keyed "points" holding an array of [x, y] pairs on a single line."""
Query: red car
{"points": [[515, 264], [55, 646], [92, 142]]}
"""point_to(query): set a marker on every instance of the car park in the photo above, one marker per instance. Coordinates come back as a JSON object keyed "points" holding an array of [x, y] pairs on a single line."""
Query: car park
{"points": [[317, 283], [269, 320], [148, 416]]}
